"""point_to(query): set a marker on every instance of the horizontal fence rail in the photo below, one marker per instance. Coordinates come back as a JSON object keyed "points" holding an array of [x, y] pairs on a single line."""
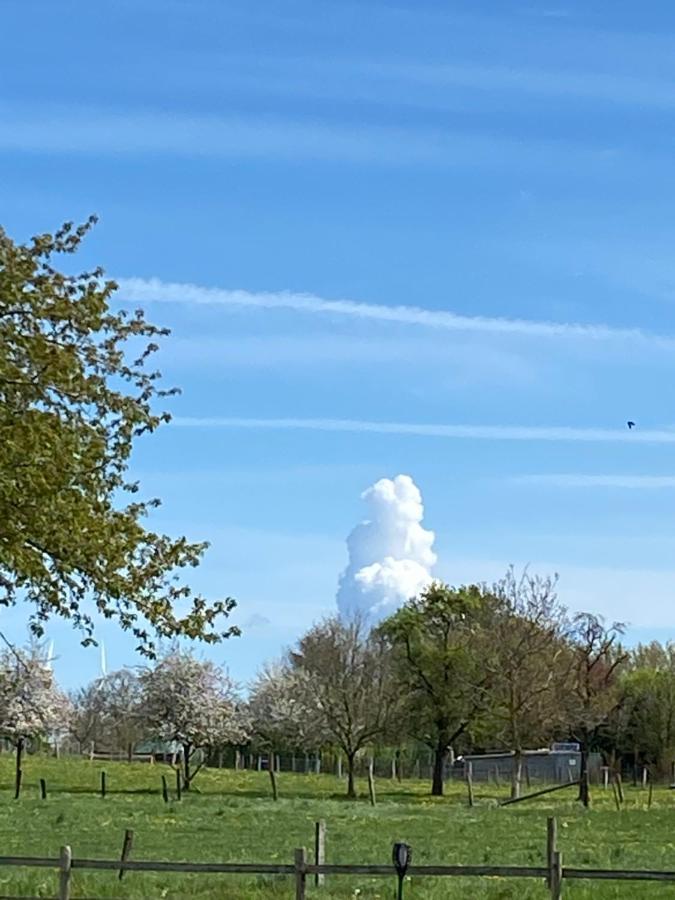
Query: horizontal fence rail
{"points": [[552, 873]]}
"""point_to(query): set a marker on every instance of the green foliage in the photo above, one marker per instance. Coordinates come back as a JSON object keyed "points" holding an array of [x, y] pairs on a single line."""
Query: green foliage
{"points": [[438, 644], [76, 392]]}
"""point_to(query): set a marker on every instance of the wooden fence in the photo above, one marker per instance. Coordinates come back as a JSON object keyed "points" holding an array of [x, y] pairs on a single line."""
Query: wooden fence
{"points": [[301, 870]]}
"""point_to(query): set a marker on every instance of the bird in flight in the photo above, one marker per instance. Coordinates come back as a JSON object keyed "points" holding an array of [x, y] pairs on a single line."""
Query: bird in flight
{"points": [[631, 425]]}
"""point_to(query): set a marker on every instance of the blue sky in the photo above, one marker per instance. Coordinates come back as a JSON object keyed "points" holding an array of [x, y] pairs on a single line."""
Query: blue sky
{"points": [[503, 170]]}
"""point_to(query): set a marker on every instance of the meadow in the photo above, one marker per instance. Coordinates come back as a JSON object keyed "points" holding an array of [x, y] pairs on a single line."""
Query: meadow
{"points": [[231, 817]]}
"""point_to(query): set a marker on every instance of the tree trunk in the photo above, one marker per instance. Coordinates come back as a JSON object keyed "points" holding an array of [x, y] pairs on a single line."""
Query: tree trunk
{"points": [[516, 773], [17, 776], [440, 755], [584, 793], [187, 777], [351, 787]]}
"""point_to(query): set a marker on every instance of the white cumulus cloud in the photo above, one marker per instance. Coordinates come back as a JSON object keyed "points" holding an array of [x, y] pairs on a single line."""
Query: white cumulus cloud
{"points": [[390, 553]]}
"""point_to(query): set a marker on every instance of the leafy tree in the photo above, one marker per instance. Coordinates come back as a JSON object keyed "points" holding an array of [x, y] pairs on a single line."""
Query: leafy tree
{"points": [[277, 709], [346, 688], [110, 711], [193, 703], [592, 684], [525, 660], [437, 641], [644, 722], [75, 393], [31, 704]]}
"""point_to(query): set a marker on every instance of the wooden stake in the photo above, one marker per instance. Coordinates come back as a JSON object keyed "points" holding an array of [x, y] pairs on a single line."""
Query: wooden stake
{"points": [[103, 786], [469, 785], [649, 795], [619, 786], [179, 785], [371, 784], [43, 789], [65, 869], [319, 850], [273, 779], [551, 845], [556, 876], [126, 850], [616, 797], [300, 874], [165, 789]]}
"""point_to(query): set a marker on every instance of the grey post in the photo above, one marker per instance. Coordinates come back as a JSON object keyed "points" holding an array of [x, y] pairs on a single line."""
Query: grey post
{"points": [[300, 874], [319, 849], [65, 869]]}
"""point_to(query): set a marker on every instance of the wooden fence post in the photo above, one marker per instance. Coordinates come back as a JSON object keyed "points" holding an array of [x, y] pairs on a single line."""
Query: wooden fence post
{"points": [[616, 797], [319, 850], [605, 777], [65, 869], [43, 789], [556, 876], [619, 786], [551, 844], [103, 786], [165, 789], [649, 795], [126, 850], [179, 786], [371, 784], [469, 783], [300, 874], [273, 779]]}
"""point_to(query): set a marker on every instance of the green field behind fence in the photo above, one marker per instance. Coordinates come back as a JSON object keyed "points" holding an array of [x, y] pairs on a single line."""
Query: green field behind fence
{"points": [[231, 817]]}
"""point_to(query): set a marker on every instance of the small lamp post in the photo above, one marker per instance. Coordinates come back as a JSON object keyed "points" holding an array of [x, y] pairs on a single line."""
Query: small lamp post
{"points": [[401, 856]]}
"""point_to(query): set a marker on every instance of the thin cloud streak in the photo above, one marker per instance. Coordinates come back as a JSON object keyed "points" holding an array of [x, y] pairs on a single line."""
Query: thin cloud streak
{"points": [[628, 482], [452, 432], [140, 290]]}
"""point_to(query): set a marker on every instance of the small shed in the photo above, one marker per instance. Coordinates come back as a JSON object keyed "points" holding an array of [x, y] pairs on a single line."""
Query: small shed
{"points": [[557, 764], [161, 751]]}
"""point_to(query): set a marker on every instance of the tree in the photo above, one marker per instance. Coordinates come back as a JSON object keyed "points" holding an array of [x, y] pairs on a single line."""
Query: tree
{"points": [[644, 720], [31, 705], [75, 394], [278, 709], [524, 658], [346, 687], [436, 641], [110, 710], [193, 703], [592, 690]]}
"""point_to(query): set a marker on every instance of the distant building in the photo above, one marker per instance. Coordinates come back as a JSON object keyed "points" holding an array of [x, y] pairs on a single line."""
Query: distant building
{"points": [[161, 751], [558, 764]]}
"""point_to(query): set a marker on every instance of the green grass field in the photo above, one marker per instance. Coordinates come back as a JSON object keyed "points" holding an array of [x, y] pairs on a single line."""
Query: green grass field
{"points": [[232, 818]]}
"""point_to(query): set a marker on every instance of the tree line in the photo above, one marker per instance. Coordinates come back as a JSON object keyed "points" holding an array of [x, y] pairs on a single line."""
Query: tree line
{"points": [[465, 669]]}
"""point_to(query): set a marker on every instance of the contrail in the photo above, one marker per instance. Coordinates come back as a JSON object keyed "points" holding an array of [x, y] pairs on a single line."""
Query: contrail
{"points": [[451, 432], [140, 290]]}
